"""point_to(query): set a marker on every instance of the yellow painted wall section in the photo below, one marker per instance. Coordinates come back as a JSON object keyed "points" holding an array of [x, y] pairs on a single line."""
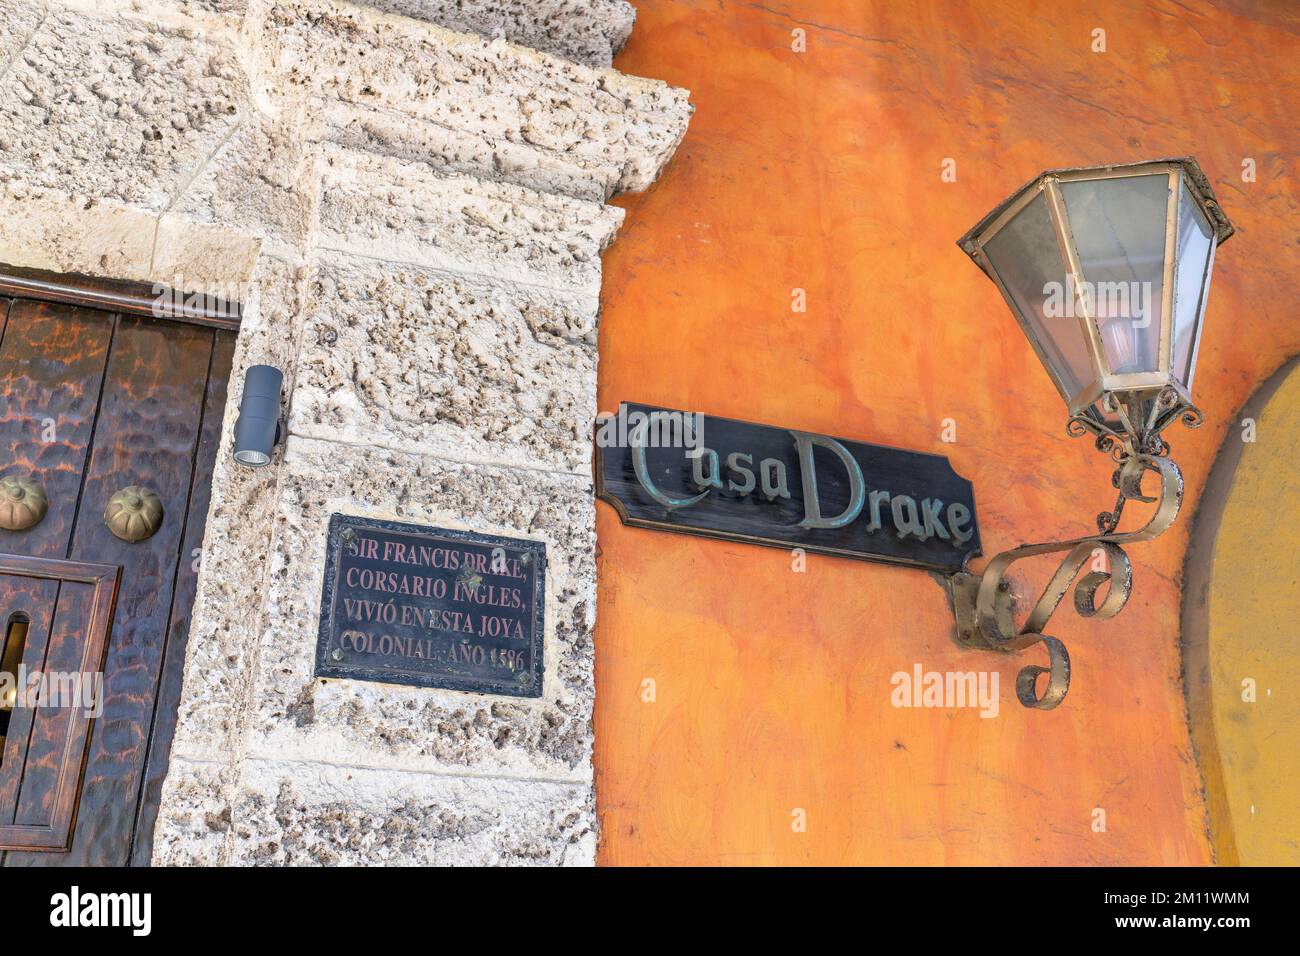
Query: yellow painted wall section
{"points": [[1254, 640], [822, 171]]}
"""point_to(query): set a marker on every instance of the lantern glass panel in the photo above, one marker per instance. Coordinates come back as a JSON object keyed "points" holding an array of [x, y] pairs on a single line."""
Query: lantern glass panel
{"points": [[1118, 226], [1195, 240], [1026, 257]]}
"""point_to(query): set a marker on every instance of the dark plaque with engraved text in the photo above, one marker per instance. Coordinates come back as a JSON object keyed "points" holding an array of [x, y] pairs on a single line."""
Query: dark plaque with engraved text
{"points": [[722, 478], [432, 607]]}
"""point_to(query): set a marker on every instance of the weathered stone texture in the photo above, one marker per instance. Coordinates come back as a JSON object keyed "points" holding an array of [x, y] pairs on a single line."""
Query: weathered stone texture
{"points": [[454, 151], [498, 90], [588, 31], [18, 20], [413, 218], [195, 817], [383, 208], [229, 607], [206, 8], [203, 257], [420, 360], [262, 180], [119, 107], [303, 814], [64, 232]]}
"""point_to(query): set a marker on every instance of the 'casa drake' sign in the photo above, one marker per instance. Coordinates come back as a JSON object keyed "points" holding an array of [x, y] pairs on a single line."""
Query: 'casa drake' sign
{"points": [[692, 473], [407, 604]]}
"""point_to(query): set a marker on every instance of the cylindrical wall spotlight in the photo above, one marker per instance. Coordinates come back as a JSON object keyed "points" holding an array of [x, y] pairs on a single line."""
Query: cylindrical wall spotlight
{"points": [[257, 430]]}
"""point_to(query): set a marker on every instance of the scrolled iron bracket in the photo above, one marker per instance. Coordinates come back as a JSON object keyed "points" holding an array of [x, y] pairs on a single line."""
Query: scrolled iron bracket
{"points": [[982, 602]]}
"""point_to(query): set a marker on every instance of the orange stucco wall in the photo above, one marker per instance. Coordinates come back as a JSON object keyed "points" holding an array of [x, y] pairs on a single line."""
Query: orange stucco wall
{"points": [[821, 171]]}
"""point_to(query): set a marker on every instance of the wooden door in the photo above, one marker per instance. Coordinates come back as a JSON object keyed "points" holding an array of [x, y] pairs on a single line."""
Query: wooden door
{"points": [[93, 401]]}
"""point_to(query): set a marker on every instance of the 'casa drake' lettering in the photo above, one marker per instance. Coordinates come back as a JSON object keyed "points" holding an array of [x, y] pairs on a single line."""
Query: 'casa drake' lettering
{"points": [[719, 477]]}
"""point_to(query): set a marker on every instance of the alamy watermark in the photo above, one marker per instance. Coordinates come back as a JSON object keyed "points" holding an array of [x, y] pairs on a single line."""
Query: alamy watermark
{"points": [[946, 689], [1101, 300], [77, 908], [74, 690], [657, 429]]}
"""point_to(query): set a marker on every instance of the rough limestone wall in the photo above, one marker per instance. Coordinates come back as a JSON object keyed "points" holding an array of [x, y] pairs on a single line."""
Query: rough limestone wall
{"points": [[588, 31], [416, 216]]}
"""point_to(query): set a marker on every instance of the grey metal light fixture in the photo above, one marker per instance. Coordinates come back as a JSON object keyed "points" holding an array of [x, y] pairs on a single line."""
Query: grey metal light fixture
{"points": [[257, 430], [1107, 270]]}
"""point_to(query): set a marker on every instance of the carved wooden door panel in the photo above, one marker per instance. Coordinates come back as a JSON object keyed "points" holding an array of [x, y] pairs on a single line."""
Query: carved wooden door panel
{"points": [[93, 403], [62, 610]]}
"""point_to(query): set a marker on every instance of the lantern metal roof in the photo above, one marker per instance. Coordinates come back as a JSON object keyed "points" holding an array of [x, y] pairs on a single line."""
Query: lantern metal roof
{"points": [[1196, 180]]}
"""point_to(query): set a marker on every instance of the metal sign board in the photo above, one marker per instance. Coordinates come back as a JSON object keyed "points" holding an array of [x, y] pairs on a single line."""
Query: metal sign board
{"points": [[697, 474]]}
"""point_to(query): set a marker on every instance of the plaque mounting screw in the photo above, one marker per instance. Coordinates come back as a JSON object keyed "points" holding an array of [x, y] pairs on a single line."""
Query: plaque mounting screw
{"points": [[527, 558], [336, 654]]}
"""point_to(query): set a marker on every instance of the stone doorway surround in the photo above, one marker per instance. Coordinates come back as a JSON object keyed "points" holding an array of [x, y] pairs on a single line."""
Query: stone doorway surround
{"points": [[413, 218]]}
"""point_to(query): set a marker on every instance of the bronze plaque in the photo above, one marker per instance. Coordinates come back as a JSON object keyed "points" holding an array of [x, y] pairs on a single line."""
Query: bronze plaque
{"points": [[432, 607]]}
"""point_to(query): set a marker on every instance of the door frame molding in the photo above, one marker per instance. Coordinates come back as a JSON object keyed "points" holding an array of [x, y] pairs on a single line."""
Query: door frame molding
{"points": [[154, 300]]}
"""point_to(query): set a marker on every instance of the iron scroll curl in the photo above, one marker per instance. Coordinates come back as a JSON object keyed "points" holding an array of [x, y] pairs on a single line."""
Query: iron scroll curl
{"points": [[992, 613]]}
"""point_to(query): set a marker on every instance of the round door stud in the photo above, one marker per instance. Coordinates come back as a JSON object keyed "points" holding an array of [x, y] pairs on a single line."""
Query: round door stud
{"points": [[134, 513], [22, 503]]}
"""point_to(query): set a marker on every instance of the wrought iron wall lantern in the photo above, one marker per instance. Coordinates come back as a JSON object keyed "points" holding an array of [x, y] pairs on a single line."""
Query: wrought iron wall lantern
{"points": [[1107, 270]]}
